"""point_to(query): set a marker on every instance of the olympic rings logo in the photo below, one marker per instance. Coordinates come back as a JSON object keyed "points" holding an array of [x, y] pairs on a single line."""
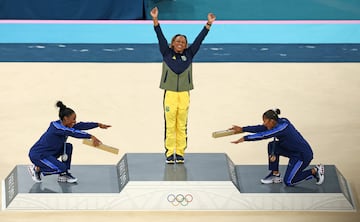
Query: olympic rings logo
{"points": [[180, 199]]}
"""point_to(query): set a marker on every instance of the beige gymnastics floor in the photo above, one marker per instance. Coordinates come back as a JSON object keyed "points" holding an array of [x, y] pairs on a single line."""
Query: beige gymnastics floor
{"points": [[322, 100]]}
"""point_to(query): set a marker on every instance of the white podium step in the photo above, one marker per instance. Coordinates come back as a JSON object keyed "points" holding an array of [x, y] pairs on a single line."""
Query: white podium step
{"points": [[143, 181]]}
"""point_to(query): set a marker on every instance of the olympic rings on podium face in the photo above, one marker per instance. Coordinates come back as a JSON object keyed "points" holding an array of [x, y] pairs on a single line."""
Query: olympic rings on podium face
{"points": [[180, 199]]}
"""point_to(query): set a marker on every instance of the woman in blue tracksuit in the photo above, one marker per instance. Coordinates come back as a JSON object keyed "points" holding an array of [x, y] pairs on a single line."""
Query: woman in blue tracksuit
{"points": [[287, 142], [51, 146]]}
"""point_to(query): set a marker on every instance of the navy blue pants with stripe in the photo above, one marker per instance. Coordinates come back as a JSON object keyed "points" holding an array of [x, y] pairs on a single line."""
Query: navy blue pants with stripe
{"points": [[52, 165], [296, 168]]}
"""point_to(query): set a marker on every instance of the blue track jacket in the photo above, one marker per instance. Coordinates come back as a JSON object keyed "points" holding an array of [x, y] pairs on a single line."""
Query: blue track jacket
{"points": [[51, 143], [288, 137]]}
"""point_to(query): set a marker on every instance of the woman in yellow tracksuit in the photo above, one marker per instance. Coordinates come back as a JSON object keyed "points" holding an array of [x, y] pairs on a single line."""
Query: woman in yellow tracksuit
{"points": [[177, 81]]}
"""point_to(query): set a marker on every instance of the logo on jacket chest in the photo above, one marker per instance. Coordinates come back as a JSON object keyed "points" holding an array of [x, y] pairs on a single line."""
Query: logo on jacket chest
{"points": [[183, 58]]}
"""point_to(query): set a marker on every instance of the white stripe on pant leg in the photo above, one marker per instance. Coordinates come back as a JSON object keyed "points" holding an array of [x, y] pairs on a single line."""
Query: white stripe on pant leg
{"points": [[294, 172]]}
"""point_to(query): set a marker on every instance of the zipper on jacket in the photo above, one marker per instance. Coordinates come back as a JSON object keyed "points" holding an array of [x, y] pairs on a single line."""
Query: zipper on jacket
{"points": [[178, 79], [166, 74]]}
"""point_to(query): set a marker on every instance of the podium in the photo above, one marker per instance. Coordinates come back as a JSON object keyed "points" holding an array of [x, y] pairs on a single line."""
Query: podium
{"points": [[143, 181]]}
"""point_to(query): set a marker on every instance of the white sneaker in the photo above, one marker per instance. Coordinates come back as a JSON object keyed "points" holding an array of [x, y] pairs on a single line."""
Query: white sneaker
{"points": [[320, 174], [67, 178], [35, 176], [271, 178], [170, 159], [179, 159]]}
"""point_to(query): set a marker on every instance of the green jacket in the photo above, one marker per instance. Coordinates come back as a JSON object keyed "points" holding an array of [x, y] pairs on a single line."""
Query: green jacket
{"points": [[176, 82]]}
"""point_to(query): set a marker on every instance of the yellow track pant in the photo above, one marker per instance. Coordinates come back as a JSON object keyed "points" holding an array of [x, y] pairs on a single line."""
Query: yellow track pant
{"points": [[176, 107]]}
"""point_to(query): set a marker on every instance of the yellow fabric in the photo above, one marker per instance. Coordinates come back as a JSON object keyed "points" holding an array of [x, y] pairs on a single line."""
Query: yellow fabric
{"points": [[176, 107]]}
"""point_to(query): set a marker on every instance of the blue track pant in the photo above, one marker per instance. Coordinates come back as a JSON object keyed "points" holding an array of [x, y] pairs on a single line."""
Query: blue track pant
{"points": [[52, 165], [295, 171]]}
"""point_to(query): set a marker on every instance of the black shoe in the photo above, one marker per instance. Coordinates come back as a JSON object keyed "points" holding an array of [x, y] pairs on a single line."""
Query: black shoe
{"points": [[170, 159], [179, 159]]}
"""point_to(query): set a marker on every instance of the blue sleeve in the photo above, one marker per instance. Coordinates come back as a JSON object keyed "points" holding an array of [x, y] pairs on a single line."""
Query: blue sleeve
{"points": [[66, 131], [163, 43], [268, 133], [85, 125], [254, 129], [195, 46]]}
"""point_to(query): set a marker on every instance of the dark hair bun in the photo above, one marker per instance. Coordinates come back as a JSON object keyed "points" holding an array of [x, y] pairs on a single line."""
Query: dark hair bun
{"points": [[277, 111], [60, 105]]}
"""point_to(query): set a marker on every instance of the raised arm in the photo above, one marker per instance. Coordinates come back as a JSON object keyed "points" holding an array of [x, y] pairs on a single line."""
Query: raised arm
{"points": [[195, 46], [154, 14], [163, 44], [210, 19]]}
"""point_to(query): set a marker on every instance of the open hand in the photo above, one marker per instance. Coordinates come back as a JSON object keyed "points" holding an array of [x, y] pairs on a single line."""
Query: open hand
{"points": [[103, 126], [238, 141]]}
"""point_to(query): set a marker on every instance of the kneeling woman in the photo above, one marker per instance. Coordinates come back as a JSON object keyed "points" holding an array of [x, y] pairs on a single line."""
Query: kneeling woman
{"points": [[287, 142], [52, 146]]}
